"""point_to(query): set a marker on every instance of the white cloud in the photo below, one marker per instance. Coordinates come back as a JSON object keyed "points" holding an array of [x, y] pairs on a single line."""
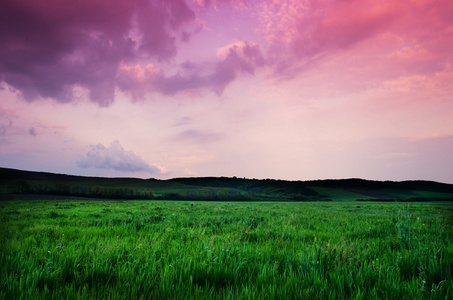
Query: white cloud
{"points": [[116, 158]]}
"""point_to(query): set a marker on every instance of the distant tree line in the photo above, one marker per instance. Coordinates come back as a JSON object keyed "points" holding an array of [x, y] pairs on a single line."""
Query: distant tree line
{"points": [[253, 186], [211, 194], [23, 187], [115, 192]]}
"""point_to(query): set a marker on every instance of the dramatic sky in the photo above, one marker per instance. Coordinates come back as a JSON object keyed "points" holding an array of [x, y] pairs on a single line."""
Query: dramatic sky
{"points": [[290, 89]]}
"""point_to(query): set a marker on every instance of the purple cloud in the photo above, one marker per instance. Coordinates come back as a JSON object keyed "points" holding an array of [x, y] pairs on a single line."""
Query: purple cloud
{"points": [[48, 47], [198, 137], [32, 131]]}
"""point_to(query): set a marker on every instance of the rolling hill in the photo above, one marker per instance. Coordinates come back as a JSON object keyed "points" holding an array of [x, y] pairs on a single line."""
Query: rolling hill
{"points": [[18, 182]]}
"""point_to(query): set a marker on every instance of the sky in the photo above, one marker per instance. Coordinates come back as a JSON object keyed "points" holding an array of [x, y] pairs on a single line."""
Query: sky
{"points": [[287, 89]]}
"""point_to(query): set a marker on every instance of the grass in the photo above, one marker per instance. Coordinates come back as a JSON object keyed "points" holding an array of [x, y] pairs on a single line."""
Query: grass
{"points": [[339, 194], [225, 250]]}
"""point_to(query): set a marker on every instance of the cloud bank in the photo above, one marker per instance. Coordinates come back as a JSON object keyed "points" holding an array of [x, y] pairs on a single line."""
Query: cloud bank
{"points": [[50, 48], [116, 158]]}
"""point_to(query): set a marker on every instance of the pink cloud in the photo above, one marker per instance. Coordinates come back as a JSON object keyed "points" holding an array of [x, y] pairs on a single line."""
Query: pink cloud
{"points": [[8, 112], [215, 3], [347, 24], [303, 33], [234, 59]]}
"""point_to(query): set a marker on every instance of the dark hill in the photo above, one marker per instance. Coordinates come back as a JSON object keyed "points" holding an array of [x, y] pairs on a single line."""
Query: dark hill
{"points": [[292, 187], [14, 181], [354, 183]]}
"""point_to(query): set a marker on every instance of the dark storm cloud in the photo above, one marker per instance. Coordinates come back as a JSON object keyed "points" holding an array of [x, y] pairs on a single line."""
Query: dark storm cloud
{"points": [[48, 47]]}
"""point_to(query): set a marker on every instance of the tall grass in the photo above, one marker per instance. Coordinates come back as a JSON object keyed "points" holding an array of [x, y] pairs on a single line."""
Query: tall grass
{"points": [[404, 228], [155, 250]]}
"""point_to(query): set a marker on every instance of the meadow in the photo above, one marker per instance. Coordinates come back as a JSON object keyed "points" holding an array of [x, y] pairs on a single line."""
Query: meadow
{"points": [[225, 250]]}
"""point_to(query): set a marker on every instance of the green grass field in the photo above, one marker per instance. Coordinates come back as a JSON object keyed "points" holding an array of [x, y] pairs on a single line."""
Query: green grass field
{"points": [[225, 250], [339, 195]]}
